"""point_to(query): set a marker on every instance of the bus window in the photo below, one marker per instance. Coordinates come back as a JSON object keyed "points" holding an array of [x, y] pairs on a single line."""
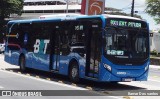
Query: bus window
{"points": [[15, 37], [41, 37], [24, 29], [64, 38]]}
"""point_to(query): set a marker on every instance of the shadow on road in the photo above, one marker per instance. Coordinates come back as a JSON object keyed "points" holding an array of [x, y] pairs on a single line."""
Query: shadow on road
{"points": [[95, 86]]}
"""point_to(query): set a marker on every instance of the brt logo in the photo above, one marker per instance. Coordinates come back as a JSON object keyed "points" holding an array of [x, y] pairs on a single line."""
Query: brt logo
{"points": [[41, 46]]}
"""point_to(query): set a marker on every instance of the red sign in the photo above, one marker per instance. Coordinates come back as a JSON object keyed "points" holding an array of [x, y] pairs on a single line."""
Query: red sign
{"points": [[92, 7]]}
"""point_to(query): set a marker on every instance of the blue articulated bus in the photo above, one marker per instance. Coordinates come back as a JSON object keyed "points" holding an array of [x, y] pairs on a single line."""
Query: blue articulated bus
{"points": [[102, 48]]}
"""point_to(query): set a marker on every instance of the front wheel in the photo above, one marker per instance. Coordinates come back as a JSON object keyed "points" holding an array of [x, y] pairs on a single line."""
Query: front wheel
{"points": [[22, 64], [74, 72]]}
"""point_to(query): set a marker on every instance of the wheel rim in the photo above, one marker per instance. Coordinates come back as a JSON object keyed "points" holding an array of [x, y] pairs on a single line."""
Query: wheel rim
{"points": [[74, 72]]}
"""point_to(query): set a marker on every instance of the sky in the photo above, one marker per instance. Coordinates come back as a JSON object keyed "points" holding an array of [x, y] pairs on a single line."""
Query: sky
{"points": [[140, 6]]}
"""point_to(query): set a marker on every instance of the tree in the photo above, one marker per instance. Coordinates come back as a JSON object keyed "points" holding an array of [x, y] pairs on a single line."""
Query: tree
{"points": [[8, 7], [153, 8]]}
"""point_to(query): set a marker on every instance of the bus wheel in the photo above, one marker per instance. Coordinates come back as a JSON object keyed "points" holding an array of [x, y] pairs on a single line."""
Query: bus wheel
{"points": [[22, 64], [74, 72]]}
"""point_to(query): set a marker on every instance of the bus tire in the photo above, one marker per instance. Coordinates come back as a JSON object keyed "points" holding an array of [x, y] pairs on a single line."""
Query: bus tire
{"points": [[74, 72], [22, 64]]}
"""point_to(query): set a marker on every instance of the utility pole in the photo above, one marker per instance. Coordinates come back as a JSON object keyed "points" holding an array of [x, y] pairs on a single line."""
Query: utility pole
{"points": [[132, 9], [67, 6]]}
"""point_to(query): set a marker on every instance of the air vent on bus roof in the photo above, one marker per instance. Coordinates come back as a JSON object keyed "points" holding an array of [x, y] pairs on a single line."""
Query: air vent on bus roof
{"points": [[59, 15]]}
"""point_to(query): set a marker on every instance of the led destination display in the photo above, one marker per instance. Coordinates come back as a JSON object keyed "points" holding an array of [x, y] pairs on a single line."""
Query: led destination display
{"points": [[126, 23]]}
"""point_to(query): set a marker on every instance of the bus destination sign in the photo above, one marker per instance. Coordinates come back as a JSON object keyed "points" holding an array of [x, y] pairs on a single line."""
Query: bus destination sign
{"points": [[124, 23]]}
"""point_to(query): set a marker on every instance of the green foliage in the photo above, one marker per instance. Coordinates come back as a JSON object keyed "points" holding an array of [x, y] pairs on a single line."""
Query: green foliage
{"points": [[153, 8], [154, 52], [8, 7]]}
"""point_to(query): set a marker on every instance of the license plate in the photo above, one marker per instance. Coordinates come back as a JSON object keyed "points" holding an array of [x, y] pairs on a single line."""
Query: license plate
{"points": [[128, 79]]}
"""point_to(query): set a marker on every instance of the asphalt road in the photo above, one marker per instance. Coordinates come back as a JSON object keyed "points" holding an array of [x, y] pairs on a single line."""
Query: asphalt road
{"points": [[12, 79]]}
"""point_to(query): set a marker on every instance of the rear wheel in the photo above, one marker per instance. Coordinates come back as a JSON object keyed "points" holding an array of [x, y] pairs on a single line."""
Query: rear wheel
{"points": [[22, 64], [74, 72]]}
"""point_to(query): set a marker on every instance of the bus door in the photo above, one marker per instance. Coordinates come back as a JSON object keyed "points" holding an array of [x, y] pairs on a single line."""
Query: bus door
{"points": [[55, 50], [93, 49], [60, 46]]}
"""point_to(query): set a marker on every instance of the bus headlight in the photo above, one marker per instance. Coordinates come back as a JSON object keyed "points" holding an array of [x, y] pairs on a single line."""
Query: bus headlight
{"points": [[107, 67], [146, 67]]}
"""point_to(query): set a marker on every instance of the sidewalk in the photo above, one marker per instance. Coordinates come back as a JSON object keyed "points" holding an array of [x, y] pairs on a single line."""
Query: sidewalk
{"points": [[4, 64], [154, 66], [155, 61]]}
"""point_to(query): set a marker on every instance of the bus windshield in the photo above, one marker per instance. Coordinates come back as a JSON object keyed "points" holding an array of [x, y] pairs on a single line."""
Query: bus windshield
{"points": [[126, 43]]}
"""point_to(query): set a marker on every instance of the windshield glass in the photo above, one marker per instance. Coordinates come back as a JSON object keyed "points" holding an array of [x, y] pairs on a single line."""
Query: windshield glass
{"points": [[126, 43]]}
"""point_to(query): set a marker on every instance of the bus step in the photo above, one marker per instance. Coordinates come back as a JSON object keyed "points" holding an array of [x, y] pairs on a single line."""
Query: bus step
{"points": [[55, 71], [88, 77]]}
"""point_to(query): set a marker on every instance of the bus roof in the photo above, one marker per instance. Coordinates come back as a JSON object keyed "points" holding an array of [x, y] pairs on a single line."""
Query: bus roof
{"points": [[72, 16], [63, 15], [120, 16]]}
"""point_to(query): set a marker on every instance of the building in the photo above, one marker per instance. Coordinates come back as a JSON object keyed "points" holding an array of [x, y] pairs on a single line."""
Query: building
{"points": [[36, 8], [154, 42]]}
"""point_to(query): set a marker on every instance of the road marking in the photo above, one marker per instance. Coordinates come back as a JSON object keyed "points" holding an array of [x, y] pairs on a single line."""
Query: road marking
{"points": [[37, 77], [152, 66], [141, 85], [74, 84], [128, 97], [48, 79], [56, 83], [155, 76], [90, 88], [11, 70], [28, 74], [60, 81], [1, 87], [154, 80], [106, 92], [19, 73]]}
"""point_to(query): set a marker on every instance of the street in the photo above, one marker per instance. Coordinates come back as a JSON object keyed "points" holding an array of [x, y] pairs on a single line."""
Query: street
{"points": [[11, 78]]}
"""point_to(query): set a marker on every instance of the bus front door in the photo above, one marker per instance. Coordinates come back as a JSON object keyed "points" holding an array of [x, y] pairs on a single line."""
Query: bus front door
{"points": [[93, 55]]}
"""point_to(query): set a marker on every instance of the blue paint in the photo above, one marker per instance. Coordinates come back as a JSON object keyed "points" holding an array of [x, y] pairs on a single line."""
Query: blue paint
{"points": [[25, 38], [41, 60]]}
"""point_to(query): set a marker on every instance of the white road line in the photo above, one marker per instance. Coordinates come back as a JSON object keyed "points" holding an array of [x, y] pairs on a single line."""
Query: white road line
{"points": [[154, 80], [141, 85], [43, 80], [1, 87], [53, 82], [154, 66]]}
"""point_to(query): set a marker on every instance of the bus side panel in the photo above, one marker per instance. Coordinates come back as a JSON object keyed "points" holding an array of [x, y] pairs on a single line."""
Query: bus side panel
{"points": [[15, 55], [82, 65], [63, 65], [29, 61], [65, 61], [12, 57], [40, 62]]}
